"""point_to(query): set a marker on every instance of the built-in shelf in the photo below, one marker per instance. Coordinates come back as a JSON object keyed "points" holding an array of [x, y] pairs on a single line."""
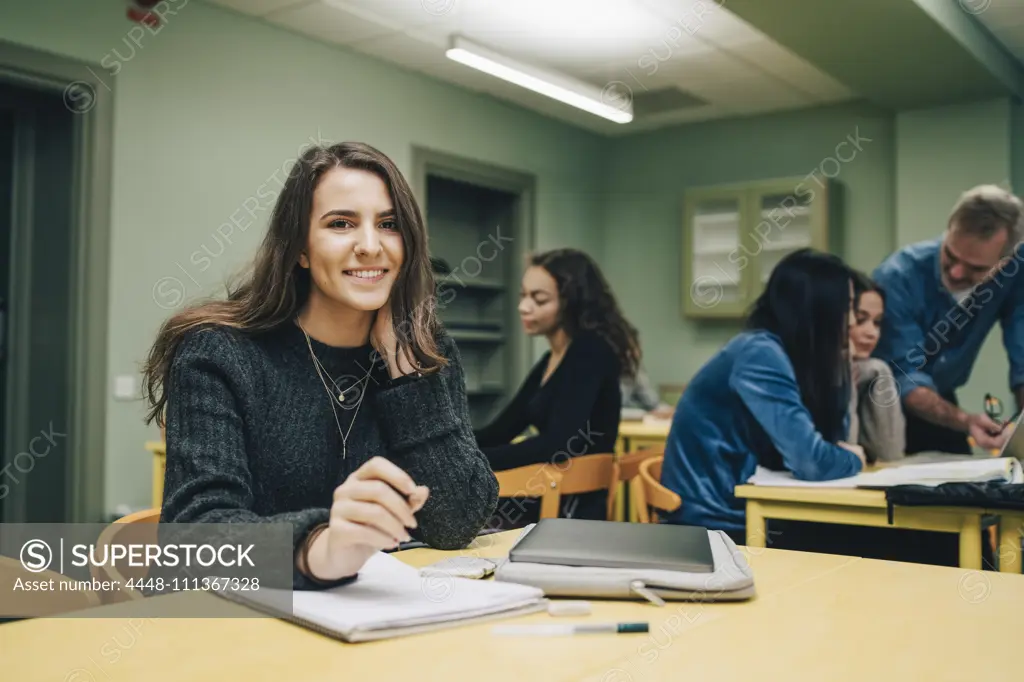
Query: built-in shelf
{"points": [[474, 336], [727, 219], [459, 323], [478, 220], [785, 244], [714, 250], [786, 212], [486, 390], [457, 283], [716, 219]]}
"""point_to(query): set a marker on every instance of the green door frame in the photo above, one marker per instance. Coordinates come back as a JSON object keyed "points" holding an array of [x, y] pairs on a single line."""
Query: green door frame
{"points": [[93, 102]]}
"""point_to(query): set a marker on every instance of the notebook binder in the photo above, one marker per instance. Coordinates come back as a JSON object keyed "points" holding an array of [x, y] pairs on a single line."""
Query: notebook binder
{"points": [[390, 599]]}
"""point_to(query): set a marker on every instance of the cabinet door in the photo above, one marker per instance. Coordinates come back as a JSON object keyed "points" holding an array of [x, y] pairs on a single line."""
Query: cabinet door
{"points": [[714, 282], [788, 215]]}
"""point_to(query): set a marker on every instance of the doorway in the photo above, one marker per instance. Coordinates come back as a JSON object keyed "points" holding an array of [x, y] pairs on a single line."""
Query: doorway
{"points": [[35, 269], [54, 246], [480, 228]]}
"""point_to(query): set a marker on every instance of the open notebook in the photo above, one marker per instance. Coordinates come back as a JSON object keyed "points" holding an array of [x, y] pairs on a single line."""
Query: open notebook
{"points": [[930, 472], [392, 599]]}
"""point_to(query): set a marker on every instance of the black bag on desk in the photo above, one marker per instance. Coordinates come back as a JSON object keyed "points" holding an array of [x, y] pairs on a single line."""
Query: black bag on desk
{"points": [[991, 495]]}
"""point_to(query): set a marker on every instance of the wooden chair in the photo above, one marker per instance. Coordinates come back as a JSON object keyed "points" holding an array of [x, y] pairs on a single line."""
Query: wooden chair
{"points": [[589, 474], [655, 494], [534, 481], [23, 604], [137, 528], [629, 475]]}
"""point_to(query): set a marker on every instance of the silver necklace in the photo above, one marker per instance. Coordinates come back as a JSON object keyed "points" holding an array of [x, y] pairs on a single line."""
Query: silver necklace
{"points": [[340, 397]]}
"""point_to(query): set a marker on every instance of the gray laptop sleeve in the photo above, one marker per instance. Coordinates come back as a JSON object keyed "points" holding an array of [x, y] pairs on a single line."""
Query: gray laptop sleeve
{"points": [[731, 580]]}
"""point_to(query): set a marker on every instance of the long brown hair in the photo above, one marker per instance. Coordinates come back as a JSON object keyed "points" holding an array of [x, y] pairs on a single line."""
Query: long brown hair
{"points": [[588, 304], [275, 287]]}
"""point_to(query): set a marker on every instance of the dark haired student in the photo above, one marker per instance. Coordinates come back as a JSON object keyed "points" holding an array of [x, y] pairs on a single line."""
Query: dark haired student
{"points": [[322, 392], [572, 396], [776, 395], [877, 422]]}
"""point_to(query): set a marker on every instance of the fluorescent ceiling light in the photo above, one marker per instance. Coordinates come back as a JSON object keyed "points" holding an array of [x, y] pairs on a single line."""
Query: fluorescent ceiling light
{"points": [[614, 106]]}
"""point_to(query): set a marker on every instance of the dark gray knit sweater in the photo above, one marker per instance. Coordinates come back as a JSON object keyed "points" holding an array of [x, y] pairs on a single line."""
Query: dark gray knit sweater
{"points": [[251, 436]]}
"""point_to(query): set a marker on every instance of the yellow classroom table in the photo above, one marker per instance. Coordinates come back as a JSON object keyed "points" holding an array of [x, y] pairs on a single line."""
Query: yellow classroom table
{"points": [[635, 435], [1011, 528], [816, 617], [857, 507]]}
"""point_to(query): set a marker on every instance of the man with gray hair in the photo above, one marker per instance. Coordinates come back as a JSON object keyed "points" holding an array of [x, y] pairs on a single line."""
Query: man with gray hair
{"points": [[943, 296]]}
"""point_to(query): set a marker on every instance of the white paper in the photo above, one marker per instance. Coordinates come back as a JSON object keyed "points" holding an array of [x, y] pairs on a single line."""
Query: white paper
{"points": [[1006, 469], [390, 594]]}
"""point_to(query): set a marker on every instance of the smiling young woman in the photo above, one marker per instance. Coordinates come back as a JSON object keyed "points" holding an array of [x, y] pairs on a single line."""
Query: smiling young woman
{"points": [[322, 391]]}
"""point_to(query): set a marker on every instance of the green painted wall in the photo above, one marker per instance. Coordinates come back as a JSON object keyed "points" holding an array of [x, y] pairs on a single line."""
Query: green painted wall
{"points": [[215, 104], [210, 110], [648, 173], [940, 153]]}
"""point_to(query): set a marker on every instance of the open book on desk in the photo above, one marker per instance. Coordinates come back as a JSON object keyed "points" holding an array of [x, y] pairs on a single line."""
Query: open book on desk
{"points": [[392, 599], [930, 472]]}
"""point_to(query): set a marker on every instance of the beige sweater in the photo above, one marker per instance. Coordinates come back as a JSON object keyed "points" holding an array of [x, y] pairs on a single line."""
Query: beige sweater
{"points": [[876, 413]]}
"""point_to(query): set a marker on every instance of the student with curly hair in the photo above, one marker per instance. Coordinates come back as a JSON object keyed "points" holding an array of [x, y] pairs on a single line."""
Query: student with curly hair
{"points": [[572, 396]]}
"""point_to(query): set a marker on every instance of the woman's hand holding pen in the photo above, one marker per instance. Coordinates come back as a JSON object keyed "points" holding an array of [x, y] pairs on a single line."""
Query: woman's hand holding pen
{"points": [[372, 511]]}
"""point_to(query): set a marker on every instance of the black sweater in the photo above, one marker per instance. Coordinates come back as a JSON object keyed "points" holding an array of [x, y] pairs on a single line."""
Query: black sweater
{"points": [[576, 412], [251, 436]]}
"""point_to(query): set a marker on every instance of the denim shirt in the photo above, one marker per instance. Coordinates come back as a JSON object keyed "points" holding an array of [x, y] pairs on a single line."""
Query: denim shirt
{"points": [[743, 408], [928, 338]]}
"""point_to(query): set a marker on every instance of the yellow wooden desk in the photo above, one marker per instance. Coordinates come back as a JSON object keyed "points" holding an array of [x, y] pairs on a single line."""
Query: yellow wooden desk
{"points": [[866, 620], [816, 617], [856, 507], [115, 647], [1011, 528], [634, 435]]}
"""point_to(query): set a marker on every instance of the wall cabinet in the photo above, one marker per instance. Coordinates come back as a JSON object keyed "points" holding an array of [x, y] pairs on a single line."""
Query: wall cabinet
{"points": [[480, 228], [734, 235]]}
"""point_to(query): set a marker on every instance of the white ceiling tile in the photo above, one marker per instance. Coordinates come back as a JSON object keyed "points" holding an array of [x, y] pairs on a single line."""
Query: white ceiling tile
{"points": [[403, 49], [396, 15], [649, 71], [550, 35], [639, 45], [330, 24], [257, 7], [707, 20], [748, 92], [712, 66], [771, 58]]}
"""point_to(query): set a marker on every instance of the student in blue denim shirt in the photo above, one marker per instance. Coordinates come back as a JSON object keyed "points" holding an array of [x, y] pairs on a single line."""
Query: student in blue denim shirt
{"points": [[943, 298], [775, 395]]}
